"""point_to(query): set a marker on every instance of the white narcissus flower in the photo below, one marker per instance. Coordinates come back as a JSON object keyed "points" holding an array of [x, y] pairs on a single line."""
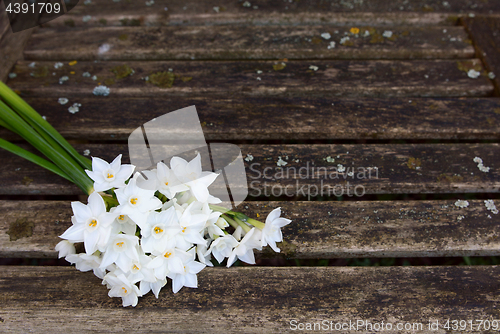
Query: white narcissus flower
{"points": [[91, 224], [122, 287], [171, 260], [84, 262], [191, 227], [136, 202], [187, 275], [122, 223], [204, 255], [168, 184], [65, 248], [121, 250], [271, 233], [159, 231], [223, 247], [244, 249], [107, 176], [191, 175]]}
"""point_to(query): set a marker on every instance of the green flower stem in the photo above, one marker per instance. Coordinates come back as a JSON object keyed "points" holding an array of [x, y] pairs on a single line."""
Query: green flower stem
{"points": [[245, 227], [256, 223], [70, 167], [230, 221], [221, 209], [27, 112], [33, 158], [7, 126]]}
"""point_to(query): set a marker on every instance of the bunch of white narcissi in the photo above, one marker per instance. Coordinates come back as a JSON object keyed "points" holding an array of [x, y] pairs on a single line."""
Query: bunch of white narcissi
{"points": [[138, 233]]}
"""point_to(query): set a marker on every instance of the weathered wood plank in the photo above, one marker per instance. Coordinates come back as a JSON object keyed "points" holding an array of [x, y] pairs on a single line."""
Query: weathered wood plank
{"points": [[436, 78], [378, 12], [248, 42], [486, 36], [242, 118], [313, 170], [319, 229], [253, 299]]}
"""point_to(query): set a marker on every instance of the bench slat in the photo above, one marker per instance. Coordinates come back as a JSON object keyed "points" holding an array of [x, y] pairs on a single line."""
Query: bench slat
{"points": [[319, 229], [247, 42], [377, 169], [243, 118], [252, 299], [436, 78], [485, 32]]}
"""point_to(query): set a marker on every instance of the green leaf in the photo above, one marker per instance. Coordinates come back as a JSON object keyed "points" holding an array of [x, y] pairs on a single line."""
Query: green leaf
{"points": [[33, 158], [27, 112], [58, 156]]}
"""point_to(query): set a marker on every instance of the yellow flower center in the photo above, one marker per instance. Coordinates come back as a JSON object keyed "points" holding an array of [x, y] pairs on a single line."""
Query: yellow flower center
{"points": [[133, 201], [158, 230], [124, 290], [166, 183], [135, 267], [184, 229], [167, 254], [119, 244], [121, 217], [110, 176], [93, 223]]}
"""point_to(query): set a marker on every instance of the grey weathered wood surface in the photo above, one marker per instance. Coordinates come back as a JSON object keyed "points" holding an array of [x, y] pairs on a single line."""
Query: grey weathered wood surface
{"points": [[486, 34], [247, 42], [417, 78], [404, 168], [319, 229], [251, 299], [278, 118]]}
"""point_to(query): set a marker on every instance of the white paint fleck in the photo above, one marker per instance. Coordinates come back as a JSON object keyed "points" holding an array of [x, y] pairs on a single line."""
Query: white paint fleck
{"points": [[63, 79], [461, 203], [259, 79], [104, 48], [32, 65], [86, 18], [326, 35], [63, 100], [490, 205], [329, 159], [12, 75], [331, 45], [473, 74], [387, 34], [216, 9], [247, 4], [249, 157], [491, 75], [58, 65], [101, 91], [480, 165], [86, 153], [86, 75], [74, 108], [314, 68], [150, 3], [343, 40], [281, 162], [340, 168]]}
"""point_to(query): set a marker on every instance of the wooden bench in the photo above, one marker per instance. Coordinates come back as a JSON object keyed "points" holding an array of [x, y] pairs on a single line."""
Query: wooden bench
{"points": [[395, 98]]}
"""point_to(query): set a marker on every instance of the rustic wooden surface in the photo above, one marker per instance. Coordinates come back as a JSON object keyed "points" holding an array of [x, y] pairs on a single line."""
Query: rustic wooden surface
{"points": [[251, 299], [417, 78], [486, 34], [247, 42], [402, 169], [319, 229], [278, 118]]}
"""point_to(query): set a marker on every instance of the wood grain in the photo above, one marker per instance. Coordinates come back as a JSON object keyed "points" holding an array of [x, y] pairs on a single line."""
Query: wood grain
{"points": [[417, 78], [251, 299], [251, 118], [247, 42], [318, 229], [376, 168], [485, 33]]}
